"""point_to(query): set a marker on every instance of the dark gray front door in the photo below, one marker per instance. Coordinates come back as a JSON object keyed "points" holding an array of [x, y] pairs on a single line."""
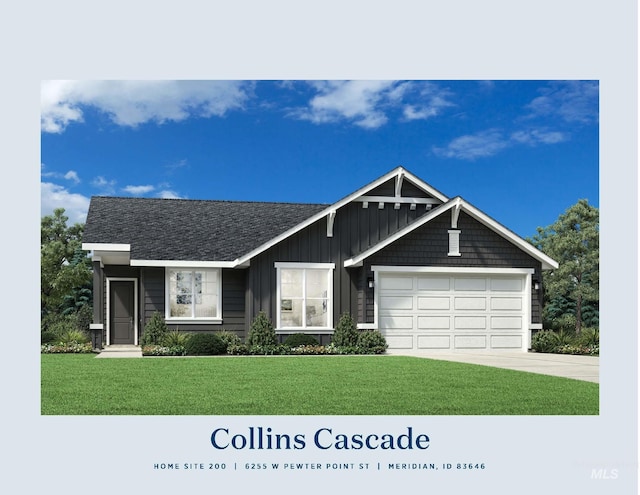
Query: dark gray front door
{"points": [[122, 312]]}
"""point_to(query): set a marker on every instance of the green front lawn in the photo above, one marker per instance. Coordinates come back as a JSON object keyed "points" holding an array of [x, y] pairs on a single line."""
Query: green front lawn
{"points": [[302, 385]]}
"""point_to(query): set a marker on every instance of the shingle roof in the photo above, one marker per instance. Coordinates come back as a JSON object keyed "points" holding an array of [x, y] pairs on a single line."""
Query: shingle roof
{"points": [[190, 230]]}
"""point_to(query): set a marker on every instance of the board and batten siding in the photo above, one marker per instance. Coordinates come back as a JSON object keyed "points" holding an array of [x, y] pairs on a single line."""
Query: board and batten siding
{"points": [[355, 229], [233, 301], [479, 247]]}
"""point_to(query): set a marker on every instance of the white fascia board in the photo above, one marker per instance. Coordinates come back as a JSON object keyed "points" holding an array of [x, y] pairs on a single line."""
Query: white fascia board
{"points": [[357, 260], [453, 269], [184, 264], [340, 204], [547, 262], [103, 246]]}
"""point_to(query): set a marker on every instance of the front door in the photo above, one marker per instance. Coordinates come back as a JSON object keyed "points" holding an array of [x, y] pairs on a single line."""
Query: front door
{"points": [[122, 312]]}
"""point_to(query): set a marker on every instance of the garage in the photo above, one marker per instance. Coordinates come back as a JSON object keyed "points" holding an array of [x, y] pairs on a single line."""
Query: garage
{"points": [[445, 309]]}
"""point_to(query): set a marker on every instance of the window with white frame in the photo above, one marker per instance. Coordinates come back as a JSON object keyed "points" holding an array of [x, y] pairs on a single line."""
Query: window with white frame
{"points": [[194, 294], [305, 293]]}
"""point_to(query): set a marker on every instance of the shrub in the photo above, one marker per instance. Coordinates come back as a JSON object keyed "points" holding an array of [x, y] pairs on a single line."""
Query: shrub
{"points": [[84, 317], [204, 344], [268, 350], [544, 341], [229, 339], [311, 350], [262, 332], [70, 348], [161, 350], [155, 330], [346, 333], [58, 324], [175, 338], [73, 336], [589, 337], [372, 341], [565, 337], [298, 339], [237, 350], [47, 337]]}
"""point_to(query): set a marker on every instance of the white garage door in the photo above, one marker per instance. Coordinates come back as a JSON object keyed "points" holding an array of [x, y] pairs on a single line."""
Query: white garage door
{"points": [[444, 311]]}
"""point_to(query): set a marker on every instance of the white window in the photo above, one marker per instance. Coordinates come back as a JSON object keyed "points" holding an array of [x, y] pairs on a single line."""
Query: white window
{"points": [[305, 296], [194, 294]]}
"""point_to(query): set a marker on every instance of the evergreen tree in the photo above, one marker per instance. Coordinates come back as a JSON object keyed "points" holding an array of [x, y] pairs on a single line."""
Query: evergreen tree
{"points": [[572, 288], [65, 270]]}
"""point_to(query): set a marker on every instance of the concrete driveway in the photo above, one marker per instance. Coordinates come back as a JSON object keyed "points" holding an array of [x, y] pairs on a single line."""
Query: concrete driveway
{"points": [[577, 367]]}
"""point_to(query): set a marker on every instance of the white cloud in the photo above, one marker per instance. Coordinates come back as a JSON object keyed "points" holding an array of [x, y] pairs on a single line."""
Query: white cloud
{"points": [[491, 142], [138, 190], [355, 101], [54, 196], [472, 146], [572, 101], [106, 187], [168, 194], [131, 103], [368, 104], [72, 175], [537, 136]]}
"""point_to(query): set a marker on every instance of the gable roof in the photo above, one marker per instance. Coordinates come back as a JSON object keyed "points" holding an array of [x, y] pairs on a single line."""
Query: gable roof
{"points": [[458, 203], [398, 173], [157, 230], [163, 232]]}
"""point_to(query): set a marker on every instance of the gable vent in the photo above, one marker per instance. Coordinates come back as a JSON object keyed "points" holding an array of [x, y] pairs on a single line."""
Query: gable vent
{"points": [[454, 243]]}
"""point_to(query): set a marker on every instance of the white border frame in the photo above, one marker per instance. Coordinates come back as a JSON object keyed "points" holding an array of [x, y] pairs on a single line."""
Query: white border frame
{"points": [[136, 314]]}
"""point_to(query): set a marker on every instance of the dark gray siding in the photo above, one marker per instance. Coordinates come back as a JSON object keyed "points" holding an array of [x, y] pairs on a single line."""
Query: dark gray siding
{"points": [[355, 230], [479, 247], [233, 300]]}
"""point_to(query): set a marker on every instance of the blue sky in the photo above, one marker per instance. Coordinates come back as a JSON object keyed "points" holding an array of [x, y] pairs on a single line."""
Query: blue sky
{"points": [[521, 151]]}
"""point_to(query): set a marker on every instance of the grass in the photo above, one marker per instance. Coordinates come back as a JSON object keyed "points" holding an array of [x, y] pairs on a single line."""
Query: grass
{"points": [[305, 385]]}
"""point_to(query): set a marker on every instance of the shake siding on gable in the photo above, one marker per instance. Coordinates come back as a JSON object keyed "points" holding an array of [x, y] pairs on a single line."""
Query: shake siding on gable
{"points": [[479, 247]]}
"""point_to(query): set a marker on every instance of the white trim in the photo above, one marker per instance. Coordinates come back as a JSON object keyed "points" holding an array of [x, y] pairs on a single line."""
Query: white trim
{"points": [[352, 197], [331, 216], [135, 306], [456, 270], [547, 262], [188, 320], [317, 266], [184, 264], [99, 246], [366, 326], [399, 199], [329, 267]]}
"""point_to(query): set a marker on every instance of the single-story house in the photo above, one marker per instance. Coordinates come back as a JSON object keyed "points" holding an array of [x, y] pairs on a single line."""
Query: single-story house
{"points": [[430, 272]]}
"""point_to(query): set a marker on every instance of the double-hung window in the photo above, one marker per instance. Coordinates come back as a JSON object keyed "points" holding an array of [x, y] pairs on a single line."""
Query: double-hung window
{"points": [[305, 296], [194, 294]]}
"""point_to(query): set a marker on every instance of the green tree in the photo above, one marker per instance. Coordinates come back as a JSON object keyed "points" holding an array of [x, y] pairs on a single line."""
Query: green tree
{"points": [[573, 288], [65, 270]]}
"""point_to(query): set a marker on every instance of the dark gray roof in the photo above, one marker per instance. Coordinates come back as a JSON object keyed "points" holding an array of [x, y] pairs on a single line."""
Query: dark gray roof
{"points": [[190, 230]]}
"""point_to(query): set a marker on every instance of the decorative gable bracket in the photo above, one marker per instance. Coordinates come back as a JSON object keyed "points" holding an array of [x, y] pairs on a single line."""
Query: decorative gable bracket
{"points": [[331, 216]]}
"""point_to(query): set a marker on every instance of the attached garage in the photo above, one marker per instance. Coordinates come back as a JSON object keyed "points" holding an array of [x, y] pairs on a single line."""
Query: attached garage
{"points": [[429, 308]]}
